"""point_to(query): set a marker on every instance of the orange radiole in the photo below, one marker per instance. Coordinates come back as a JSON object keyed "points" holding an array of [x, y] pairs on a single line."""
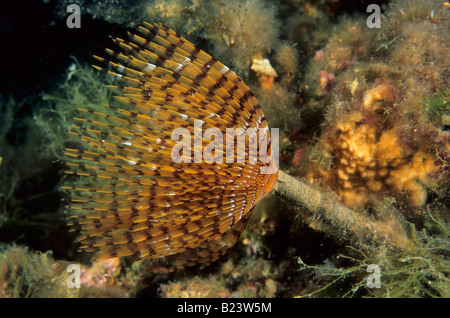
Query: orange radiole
{"points": [[131, 197]]}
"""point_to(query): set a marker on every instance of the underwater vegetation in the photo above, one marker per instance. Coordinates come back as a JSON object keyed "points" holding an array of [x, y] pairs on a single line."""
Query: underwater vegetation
{"points": [[28, 274], [364, 156], [438, 108], [378, 136], [411, 273], [230, 26]]}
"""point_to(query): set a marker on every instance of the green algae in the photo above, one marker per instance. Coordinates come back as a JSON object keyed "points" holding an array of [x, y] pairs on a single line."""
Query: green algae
{"points": [[438, 106], [415, 273], [84, 88], [27, 274]]}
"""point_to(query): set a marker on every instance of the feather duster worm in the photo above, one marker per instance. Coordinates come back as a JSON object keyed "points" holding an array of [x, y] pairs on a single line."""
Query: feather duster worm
{"points": [[135, 199]]}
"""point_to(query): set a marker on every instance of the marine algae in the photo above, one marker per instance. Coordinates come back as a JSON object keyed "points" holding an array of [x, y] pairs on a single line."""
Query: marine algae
{"points": [[413, 273]]}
